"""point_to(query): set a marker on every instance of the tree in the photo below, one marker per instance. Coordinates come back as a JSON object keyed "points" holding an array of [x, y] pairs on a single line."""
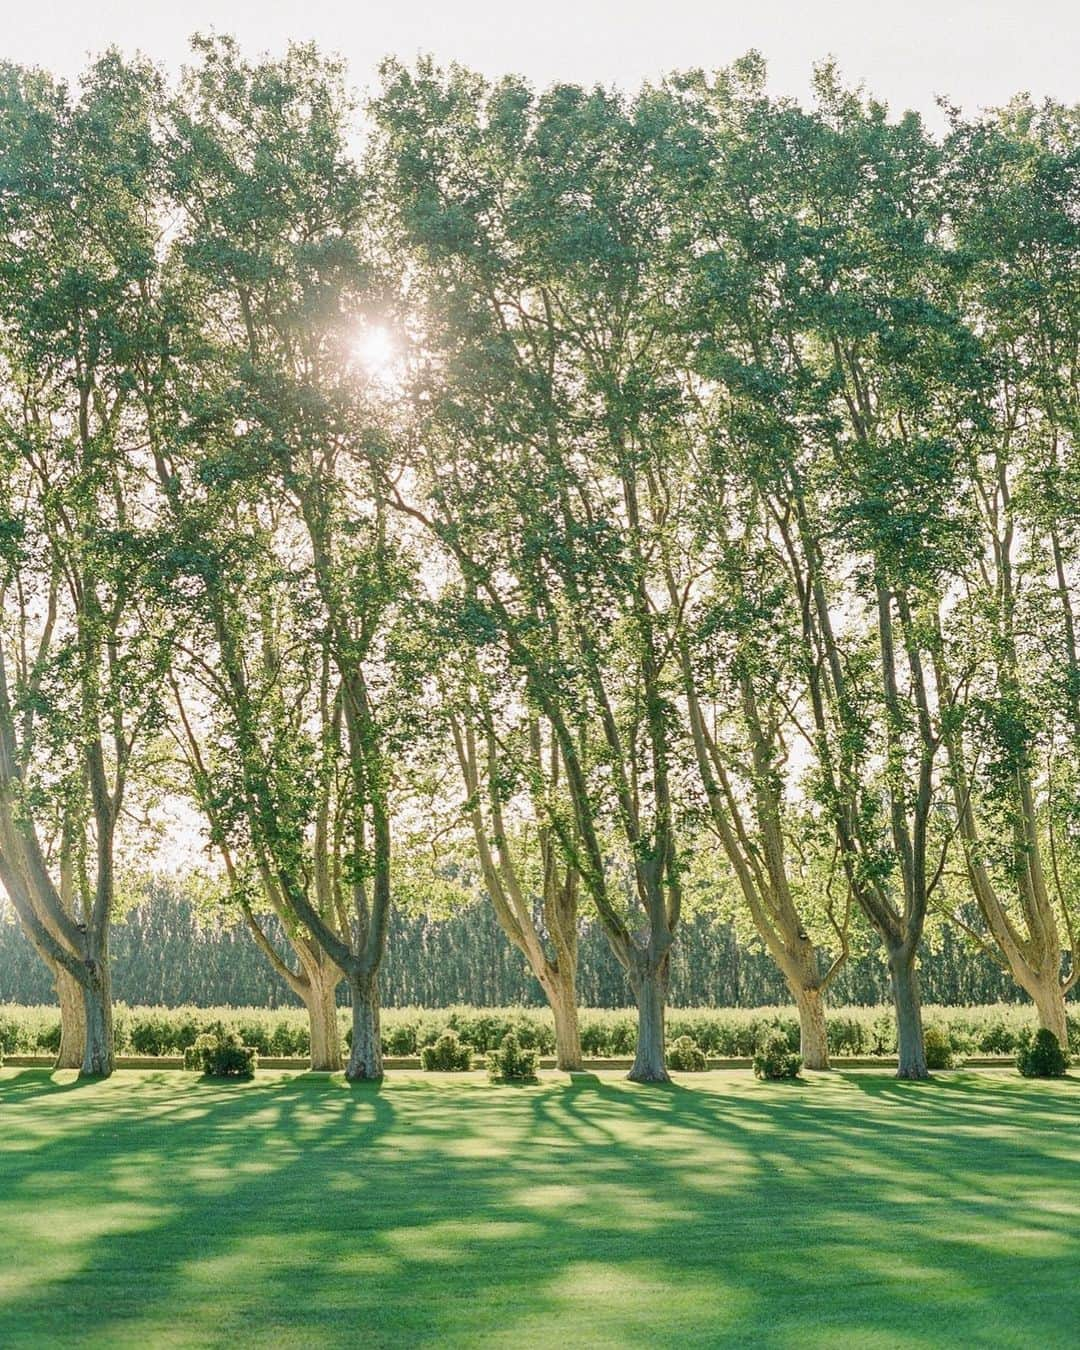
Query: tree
{"points": [[1007, 667], [895, 378], [513, 775], [275, 482], [744, 662], [844, 389], [81, 657], [527, 225]]}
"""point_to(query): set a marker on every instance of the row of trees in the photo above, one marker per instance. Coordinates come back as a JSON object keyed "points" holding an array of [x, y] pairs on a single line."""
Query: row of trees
{"points": [[167, 950], [596, 500]]}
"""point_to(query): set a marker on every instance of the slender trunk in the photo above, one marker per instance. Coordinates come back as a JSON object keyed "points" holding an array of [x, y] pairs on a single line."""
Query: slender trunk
{"points": [[649, 984], [1050, 1004], [72, 1019], [98, 1054], [909, 1028], [563, 999], [320, 998], [365, 1058], [813, 1033]]}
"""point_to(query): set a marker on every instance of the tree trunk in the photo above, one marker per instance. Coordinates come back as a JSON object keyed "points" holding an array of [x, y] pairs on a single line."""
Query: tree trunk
{"points": [[320, 999], [1050, 1004], [650, 989], [72, 1019], [98, 1054], [909, 1028], [365, 1058], [813, 1032], [563, 1000]]}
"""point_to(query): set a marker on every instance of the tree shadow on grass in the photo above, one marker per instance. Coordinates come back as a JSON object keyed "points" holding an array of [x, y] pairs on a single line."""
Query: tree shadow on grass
{"points": [[304, 1210]]}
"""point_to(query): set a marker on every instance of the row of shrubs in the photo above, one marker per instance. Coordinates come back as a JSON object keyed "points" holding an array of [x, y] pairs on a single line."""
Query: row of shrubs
{"points": [[220, 1053], [997, 1029]]}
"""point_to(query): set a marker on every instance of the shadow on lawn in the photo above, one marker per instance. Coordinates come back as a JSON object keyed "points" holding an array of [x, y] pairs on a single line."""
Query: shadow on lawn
{"points": [[302, 1210]]}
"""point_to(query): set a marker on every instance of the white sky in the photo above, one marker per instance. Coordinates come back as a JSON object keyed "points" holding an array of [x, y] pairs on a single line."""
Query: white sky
{"points": [[978, 52]]}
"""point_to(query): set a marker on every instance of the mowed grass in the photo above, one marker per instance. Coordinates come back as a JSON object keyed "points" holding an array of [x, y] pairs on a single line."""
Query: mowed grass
{"points": [[156, 1209]]}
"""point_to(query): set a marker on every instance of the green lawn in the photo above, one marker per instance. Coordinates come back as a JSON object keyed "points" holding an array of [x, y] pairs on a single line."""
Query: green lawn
{"points": [[846, 1210]]}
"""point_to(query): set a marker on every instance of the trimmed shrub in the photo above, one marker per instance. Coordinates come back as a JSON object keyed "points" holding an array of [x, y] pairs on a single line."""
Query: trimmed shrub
{"points": [[447, 1055], [939, 1050], [776, 1059], [684, 1055], [512, 1062], [221, 1054], [1041, 1056]]}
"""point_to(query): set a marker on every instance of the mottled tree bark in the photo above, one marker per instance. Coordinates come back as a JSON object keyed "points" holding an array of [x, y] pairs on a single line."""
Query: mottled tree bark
{"points": [[813, 1032], [909, 1028], [1049, 999], [365, 1058], [98, 1056], [72, 1019], [649, 984], [320, 999], [562, 996]]}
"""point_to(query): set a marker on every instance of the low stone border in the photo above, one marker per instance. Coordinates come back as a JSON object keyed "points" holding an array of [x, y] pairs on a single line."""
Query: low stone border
{"points": [[546, 1062]]}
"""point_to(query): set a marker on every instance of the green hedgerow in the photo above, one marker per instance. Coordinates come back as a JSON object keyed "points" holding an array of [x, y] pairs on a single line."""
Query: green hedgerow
{"points": [[776, 1059], [1041, 1056], [447, 1055]]}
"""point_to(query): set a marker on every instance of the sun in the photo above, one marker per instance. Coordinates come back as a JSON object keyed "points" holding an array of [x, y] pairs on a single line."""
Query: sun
{"points": [[376, 352]]}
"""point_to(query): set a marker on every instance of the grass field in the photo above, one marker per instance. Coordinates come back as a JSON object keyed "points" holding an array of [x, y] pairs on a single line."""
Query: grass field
{"points": [[847, 1210]]}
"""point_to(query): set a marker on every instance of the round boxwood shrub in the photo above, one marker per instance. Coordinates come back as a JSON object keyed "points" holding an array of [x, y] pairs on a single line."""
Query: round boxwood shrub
{"points": [[512, 1062], [939, 1051], [686, 1056], [776, 1059], [1041, 1056], [221, 1054], [447, 1055]]}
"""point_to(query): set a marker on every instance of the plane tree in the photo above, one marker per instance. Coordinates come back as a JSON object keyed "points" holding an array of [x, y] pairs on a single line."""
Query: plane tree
{"points": [[81, 654], [274, 478], [827, 340], [899, 379], [1007, 668], [525, 225], [513, 780], [745, 668]]}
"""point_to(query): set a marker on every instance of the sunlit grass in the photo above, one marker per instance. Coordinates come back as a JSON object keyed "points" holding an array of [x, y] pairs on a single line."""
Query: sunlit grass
{"points": [[156, 1209]]}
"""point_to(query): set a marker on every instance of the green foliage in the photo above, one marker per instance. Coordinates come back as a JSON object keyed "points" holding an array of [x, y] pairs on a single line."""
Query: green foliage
{"points": [[776, 1059], [446, 1055], [162, 1031], [721, 1033], [1042, 1056], [939, 1050], [684, 1055], [221, 1054], [512, 1062]]}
